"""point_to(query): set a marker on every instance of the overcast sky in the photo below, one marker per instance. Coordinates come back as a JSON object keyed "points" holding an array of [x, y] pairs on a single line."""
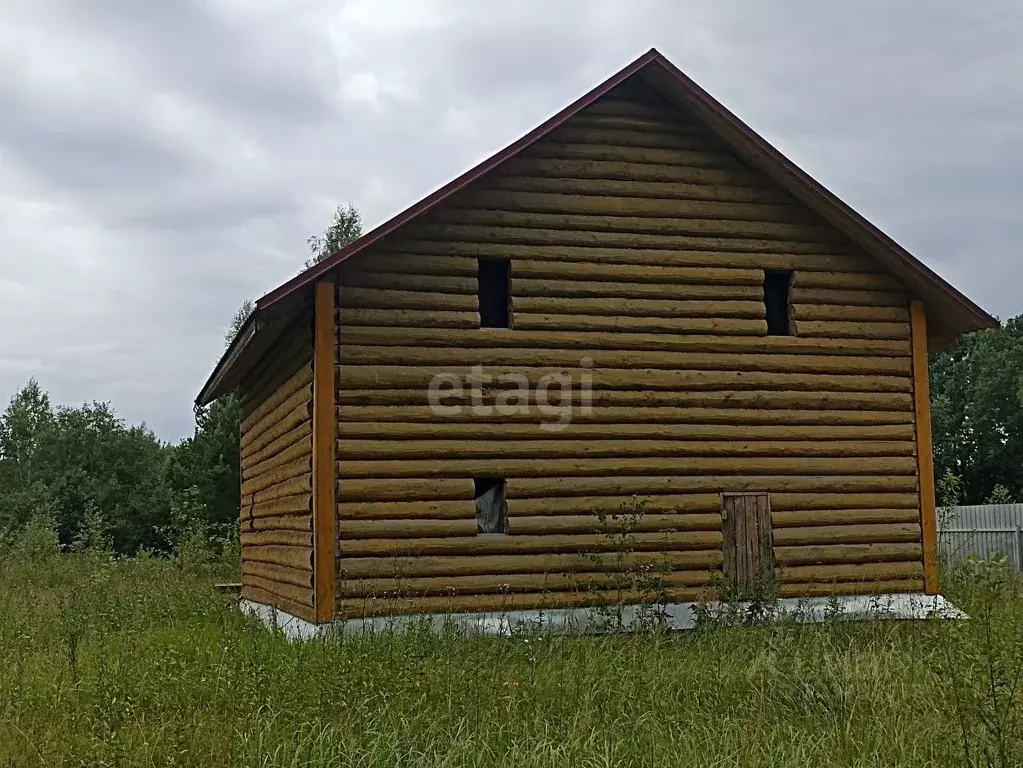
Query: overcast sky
{"points": [[162, 161]]}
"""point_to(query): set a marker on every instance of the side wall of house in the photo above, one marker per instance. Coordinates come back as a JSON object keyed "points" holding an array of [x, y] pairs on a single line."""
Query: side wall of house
{"points": [[638, 243], [276, 468]]}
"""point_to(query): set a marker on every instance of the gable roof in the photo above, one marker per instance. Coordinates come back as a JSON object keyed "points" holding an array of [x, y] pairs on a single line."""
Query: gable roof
{"points": [[949, 311]]}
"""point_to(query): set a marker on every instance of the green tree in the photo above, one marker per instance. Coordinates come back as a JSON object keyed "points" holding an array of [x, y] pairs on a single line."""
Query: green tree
{"points": [[208, 461], [345, 228], [65, 463], [238, 320], [24, 427], [977, 411]]}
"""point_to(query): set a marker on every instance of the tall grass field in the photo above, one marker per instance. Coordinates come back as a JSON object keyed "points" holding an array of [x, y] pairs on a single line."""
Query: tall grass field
{"points": [[108, 662]]}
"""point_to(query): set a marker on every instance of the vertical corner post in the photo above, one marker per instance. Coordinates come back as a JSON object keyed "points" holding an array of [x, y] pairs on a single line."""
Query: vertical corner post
{"points": [[924, 446]]}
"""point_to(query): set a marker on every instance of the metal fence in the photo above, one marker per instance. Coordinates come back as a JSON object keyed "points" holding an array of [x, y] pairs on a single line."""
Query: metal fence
{"points": [[983, 530]]}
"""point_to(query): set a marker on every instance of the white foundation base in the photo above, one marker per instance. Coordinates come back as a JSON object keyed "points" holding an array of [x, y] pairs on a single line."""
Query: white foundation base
{"points": [[626, 618]]}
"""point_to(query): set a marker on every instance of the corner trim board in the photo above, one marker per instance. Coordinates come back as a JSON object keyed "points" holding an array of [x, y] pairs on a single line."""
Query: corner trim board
{"points": [[324, 427], [924, 446]]}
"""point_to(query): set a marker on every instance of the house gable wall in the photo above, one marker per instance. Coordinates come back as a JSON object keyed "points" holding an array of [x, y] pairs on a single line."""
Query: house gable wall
{"points": [[636, 242]]}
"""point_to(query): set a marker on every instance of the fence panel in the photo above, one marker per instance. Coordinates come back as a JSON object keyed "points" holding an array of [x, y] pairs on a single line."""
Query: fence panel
{"points": [[982, 530]]}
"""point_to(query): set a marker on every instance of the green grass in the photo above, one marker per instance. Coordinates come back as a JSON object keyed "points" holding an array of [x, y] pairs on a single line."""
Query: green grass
{"points": [[143, 663]]}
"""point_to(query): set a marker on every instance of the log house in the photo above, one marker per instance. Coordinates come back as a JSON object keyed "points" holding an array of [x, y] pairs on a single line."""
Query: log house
{"points": [[719, 370]]}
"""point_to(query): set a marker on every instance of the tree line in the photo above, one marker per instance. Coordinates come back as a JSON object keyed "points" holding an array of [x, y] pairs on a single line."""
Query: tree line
{"points": [[83, 469]]}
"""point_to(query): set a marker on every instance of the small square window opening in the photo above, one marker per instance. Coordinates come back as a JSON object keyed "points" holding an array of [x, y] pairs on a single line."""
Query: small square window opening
{"points": [[491, 507]]}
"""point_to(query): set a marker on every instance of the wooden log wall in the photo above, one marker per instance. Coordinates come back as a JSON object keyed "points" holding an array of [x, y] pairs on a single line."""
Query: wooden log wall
{"points": [[638, 242], [276, 467]]}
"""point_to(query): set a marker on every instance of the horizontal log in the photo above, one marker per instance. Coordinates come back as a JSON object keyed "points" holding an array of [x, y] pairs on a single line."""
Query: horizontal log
{"points": [[623, 137], [491, 337], [866, 572], [847, 534], [281, 505], [689, 158], [877, 281], [846, 553], [298, 380], [825, 401], [537, 236], [851, 330], [437, 489], [523, 286], [755, 254], [461, 511], [377, 376], [666, 274], [610, 359], [639, 308], [292, 557], [278, 475], [490, 565], [279, 573], [296, 486], [265, 597], [619, 545], [300, 434], [542, 526], [290, 421], [293, 593], [850, 297], [406, 528], [649, 225], [284, 523], [302, 396], [512, 583], [352, 280], [651, 421], [295, 452], [645, 122], [590, 467], [408, 318], [380, 422], [728, 193], [618, 205], [286, 537], [417, 264], [621, 104], [500, 603], [847, 313], [484, 448], [523, 321], [628, 171], [830, 517], [802, 502], [889, 587], [362, 299]]}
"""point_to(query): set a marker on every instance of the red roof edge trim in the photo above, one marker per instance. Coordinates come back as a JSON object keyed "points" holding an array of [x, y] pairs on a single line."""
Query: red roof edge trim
{"points": [[428, 202]]}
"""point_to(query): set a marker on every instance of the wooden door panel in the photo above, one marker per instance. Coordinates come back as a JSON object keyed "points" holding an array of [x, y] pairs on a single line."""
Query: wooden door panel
{"points": [[747, 545]]}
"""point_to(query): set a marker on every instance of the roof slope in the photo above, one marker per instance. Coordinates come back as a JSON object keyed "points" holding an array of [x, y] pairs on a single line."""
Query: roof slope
{"points": [[950, 312]]}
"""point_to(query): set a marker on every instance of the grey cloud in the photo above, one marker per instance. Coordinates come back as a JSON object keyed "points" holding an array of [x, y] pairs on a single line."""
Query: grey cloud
{"points": [[160, 162]]}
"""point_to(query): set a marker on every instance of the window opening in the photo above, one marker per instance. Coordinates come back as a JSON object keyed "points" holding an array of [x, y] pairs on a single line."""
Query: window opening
{"points": [[495, 307]]}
